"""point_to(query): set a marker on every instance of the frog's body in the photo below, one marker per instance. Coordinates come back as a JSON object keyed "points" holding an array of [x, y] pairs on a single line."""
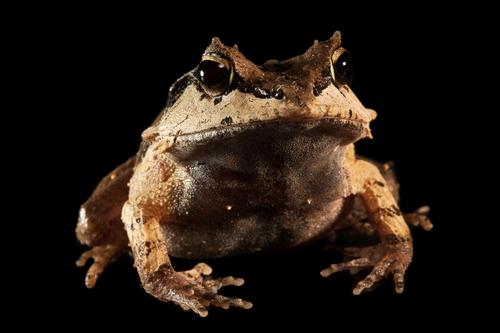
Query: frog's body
{"points": [[260, 188], [246, 159]]}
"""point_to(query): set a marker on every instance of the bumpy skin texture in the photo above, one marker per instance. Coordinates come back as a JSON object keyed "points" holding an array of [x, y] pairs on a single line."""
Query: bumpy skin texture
{"points": [[268, 164]]}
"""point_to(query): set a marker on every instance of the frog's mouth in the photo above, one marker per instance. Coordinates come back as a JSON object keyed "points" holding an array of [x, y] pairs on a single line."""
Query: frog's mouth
{"points": [[344, 129]]}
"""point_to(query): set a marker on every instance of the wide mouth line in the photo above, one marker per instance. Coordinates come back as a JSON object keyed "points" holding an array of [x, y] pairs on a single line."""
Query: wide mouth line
{"points": [[348, 124]]}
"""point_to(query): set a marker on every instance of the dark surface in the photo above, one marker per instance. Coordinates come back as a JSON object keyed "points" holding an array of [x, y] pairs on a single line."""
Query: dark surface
{"points": [[113, 69]]}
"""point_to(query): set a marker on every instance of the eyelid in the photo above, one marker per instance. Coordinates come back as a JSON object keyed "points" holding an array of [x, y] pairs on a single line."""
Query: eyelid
{"points": [[217, 58], [336, 54], [333, 59]]}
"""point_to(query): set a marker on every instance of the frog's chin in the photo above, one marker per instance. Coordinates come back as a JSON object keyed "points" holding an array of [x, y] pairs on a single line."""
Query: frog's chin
{"points": [[348, 130]]}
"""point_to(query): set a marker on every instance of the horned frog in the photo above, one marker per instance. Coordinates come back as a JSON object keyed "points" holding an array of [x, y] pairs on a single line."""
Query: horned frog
{"points": [[244, 159]]}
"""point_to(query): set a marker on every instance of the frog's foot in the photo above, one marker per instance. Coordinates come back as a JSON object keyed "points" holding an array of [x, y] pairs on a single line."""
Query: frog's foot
{"points": [[419, 218], [385, 260], [103, 256], [195, 290]]}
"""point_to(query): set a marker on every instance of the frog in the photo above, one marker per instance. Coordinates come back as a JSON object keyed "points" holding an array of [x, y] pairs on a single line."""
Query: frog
{"points": [[246, 159]]}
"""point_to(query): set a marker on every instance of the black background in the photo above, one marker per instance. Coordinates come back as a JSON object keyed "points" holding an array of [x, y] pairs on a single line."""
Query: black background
{"points": [[112, 69]]}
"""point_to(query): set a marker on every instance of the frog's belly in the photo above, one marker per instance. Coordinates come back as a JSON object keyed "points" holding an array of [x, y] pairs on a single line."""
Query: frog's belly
{"points": [[262, 189]]}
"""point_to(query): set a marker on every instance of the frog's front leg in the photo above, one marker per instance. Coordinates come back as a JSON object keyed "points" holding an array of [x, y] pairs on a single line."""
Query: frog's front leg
{"points": [[157, 189], [394, 253]]}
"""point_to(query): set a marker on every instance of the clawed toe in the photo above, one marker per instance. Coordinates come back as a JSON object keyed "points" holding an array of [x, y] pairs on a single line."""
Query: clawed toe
{"points": [[385, 260], [227, 302], [204, 291], [216, 284], [419, 218], [102, 256], [377, 273], [353, 264]]}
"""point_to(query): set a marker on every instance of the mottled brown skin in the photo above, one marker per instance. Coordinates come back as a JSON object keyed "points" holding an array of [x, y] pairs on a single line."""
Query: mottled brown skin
{"points": [[265, 164]]}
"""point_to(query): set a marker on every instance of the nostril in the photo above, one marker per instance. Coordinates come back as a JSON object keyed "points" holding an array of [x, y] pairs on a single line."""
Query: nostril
{"points": [[260, 92], [277, 93], [227, 121]]}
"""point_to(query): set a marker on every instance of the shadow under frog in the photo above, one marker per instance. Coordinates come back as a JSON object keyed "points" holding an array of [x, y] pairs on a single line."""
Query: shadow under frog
{"points": [[244, 159]]}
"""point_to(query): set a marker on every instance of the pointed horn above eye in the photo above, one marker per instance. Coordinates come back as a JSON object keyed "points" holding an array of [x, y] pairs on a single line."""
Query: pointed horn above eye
{"points": [[336, 37], [216, 42], [324, 48], [335, 41], [242, 66]]}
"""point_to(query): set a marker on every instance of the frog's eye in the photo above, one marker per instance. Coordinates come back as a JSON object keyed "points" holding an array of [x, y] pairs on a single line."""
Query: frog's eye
{"points": [[215, 73], [341, 67]]}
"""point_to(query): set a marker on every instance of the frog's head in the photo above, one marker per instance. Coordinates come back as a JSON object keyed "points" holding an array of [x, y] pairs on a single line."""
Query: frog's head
{"points": [[227, 91]]}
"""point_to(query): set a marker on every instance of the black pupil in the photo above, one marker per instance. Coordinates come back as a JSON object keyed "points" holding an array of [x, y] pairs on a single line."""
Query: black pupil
{"points": [[344, 68], [213, 73]]}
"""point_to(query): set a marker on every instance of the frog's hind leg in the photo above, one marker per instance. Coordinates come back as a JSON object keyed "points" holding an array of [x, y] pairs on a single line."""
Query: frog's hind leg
{"points": [[418, 218], [358, 220], [378, 201], [99, 224]]}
